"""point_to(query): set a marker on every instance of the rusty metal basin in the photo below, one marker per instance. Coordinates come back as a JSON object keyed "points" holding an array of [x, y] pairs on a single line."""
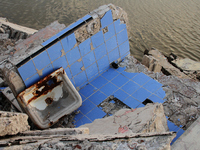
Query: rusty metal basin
{"points": [[50, 99]]}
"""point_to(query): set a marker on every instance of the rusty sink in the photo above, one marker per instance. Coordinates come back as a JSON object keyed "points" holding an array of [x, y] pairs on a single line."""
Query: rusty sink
{"points": [[50, 99]]}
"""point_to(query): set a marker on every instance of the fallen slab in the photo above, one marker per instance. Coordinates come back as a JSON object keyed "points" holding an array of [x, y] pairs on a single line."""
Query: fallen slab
{"points": [[189, 139], [147, 119], [12, 123], [143, 141], [162, 61]]}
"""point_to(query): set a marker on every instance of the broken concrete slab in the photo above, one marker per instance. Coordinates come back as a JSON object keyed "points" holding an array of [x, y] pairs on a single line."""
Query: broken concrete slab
{"points": [[150, 118], [17, 27], [151, 63], [189, 139], [166, 66], [187, 64], [13, 123], [181, 94], [141, 141], [4, 36]]}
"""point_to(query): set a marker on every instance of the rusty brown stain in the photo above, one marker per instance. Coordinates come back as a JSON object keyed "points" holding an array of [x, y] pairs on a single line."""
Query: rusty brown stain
{"points": [[47, 88], [49, 100], [51, 123]]}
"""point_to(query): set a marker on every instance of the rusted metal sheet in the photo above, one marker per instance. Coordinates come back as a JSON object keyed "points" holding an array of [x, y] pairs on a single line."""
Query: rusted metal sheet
{"points": [[49, 99]]}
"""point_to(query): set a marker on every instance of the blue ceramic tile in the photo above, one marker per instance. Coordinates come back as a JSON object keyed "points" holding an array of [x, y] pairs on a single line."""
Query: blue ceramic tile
{"points": [[141, 105], [141, 94], [76, 23], [119, 26], [60, 62], [114, 55], [120, 80], [76, 68], [103, 63], [99, 82], [129, 75], [122, 37], [83, 97], [110, 74], [152, 85], [86, 17], [178, 134], [96, 114], [110, 33], [131, 102], [41, 60], [49, 40], [85, 47], [83, 84], [124, 48], [32, 80], [120, 69], [160, 93], [172, 126], [78, 117], [121, 95], [141, 78], [109, 89], [55, 51], [111, 44], [68, 72], [27, 70], [100, 51], [86, 107], [80, 78], [88, 59], [155, 99], [88, 90], [97, 98], [130, 87], [73, 55], [82, 121], [107, 19], [97, 39], [47, 70], [92, 71], [63, 32], [68, 42], [123, 56]]}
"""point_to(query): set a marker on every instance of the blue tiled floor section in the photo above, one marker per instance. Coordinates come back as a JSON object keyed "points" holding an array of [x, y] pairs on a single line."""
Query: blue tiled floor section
{"points": [[131, 88]]}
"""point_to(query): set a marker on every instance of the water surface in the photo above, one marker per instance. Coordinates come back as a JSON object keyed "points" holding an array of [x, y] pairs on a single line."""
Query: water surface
{"points": [[168, 25]]}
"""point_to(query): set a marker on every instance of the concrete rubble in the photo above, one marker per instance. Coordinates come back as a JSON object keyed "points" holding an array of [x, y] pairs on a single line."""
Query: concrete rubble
{"points": [[12, 123], [142, 128], [145, 133], [182, 94], [10, 35], [149, 119]]}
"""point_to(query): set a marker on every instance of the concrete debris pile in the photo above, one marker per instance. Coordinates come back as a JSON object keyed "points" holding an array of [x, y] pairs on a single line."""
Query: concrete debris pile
{"points": [[182, 94], [141, 128], [10, 35], [12, 123], [127, 129]]}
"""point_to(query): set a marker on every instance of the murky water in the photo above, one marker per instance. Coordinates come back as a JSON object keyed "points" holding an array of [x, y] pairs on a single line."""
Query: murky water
{"points": [[168, 25]]}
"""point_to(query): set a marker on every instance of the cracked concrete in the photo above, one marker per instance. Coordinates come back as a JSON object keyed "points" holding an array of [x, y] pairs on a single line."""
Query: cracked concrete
{"points": [[182, 95]]}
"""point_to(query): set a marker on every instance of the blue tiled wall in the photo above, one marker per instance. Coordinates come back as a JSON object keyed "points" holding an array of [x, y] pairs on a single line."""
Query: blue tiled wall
{"points": [[81, 62]]}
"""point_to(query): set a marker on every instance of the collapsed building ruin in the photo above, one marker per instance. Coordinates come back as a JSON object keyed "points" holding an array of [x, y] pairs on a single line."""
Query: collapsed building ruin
{"points": [[93, 54]]}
